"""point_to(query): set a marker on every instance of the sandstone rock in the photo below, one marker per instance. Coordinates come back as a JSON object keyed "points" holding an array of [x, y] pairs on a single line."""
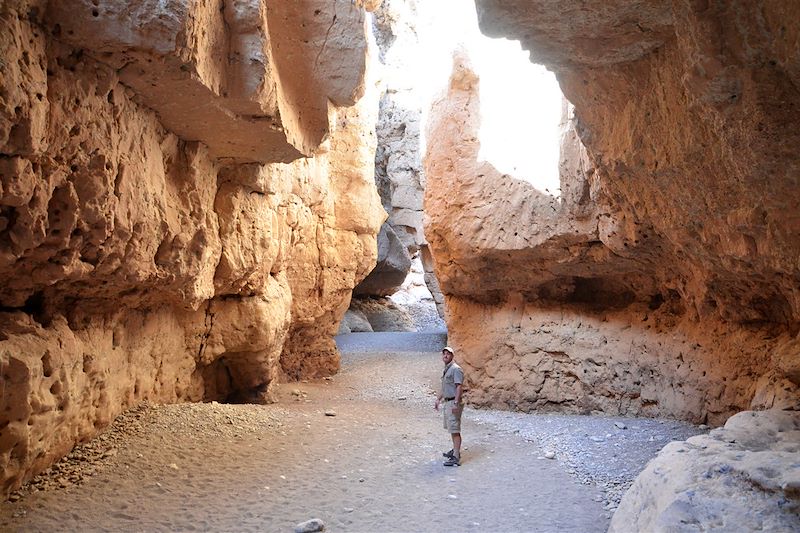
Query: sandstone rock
{"points": [[392, 267], [356, 321], [655, 238], [161, 236], [233, 97], [741, 477], [383, 314], [399, 172]]}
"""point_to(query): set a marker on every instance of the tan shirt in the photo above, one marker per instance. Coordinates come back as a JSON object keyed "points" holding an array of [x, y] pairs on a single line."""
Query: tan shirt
{"points": [[452, 376]]}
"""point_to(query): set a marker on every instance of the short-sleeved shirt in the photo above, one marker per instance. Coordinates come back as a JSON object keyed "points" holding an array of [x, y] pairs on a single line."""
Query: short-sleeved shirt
{"points": [[452, 376]]}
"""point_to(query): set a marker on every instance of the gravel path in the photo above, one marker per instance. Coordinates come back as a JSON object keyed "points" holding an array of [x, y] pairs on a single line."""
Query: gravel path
{"points": [[361, 451]]}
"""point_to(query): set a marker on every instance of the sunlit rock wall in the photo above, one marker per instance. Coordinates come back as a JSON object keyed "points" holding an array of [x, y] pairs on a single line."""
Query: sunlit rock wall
{"points": [[186, 202], [399, 27], [600, 301]]}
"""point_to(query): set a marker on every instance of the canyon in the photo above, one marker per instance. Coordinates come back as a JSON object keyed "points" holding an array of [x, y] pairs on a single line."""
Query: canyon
{"points": [[191, 192]]}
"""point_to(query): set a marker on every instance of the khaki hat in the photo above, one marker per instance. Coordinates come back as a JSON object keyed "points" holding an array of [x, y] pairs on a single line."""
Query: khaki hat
{"points": [[448, 349]]}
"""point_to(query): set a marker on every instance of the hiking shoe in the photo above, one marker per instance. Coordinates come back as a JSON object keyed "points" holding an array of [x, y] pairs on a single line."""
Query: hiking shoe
{"points": [[449, 454], [453, 461]]}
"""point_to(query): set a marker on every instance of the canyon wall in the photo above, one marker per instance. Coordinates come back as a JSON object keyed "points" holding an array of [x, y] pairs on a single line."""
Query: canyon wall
{"points": [[186, 202], [664, 279], [400, 27]]}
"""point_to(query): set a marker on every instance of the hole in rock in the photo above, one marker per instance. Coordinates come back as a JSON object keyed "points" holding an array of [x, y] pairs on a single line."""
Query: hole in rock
{"points": [[47, 364]]}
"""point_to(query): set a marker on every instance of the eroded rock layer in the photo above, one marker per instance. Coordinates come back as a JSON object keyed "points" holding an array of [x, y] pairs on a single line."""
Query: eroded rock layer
{"points": [[186, 202], [743, 477], [664, 280]]}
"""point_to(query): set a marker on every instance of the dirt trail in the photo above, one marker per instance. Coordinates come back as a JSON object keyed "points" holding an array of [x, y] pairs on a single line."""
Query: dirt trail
{"points": [[374, 466]]}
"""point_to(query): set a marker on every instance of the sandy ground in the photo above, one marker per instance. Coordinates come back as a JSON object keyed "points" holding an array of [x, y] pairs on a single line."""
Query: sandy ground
{"points": [[375, 465]]}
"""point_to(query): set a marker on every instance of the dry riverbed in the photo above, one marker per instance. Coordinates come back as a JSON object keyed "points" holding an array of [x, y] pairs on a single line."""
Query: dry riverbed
{"points": [[360, 451]]}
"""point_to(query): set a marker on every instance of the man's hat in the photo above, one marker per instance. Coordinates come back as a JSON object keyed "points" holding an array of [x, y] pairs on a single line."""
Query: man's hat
{"points": [[448, 349]]}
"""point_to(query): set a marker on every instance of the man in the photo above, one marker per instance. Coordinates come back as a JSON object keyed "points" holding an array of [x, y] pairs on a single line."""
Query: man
{"points": [[452, 387]]}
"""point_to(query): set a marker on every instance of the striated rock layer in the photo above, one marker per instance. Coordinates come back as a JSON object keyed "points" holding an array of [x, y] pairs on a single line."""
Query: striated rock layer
{"points": [[186, 202], [664, 280]]}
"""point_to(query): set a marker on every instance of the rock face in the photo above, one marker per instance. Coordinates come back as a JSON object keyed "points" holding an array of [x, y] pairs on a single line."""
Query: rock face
{"points": [[398, 159], [393, 265], [186, 202], [664, 280], [752, 461]]}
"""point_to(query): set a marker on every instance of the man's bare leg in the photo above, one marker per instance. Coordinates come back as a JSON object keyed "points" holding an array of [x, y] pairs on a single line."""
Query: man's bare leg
{"points": [[456, 445]]}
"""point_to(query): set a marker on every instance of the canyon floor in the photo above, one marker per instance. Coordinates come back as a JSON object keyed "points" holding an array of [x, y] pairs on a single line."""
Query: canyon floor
{"points": [[360, 451]]}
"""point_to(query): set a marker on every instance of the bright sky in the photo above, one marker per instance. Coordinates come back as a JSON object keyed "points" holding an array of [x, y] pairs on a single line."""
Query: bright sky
{"points": [[520, 101]]}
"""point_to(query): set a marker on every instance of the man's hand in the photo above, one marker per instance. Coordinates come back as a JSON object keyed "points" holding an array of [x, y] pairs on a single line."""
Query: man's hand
{"points": [[436, 405], [456, 409]]}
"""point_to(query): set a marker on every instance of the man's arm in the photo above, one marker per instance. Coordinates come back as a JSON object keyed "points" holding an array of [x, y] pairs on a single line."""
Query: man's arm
{"points": [[457, 405], [438, 401]]}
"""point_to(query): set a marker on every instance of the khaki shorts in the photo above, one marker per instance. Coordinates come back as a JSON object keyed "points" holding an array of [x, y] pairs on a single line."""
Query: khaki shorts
{"points": [[452, 423]]}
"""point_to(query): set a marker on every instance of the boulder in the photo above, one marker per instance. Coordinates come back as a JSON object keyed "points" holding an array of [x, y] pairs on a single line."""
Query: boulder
{"points": [[741, 477], [383, 314], [391, 269]]}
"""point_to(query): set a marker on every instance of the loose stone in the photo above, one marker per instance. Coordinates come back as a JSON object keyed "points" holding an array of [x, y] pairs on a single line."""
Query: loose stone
{"points": [[310, 526]]}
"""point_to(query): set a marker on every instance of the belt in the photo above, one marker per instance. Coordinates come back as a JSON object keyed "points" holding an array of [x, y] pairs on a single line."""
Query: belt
{"points": [[449, 399]]}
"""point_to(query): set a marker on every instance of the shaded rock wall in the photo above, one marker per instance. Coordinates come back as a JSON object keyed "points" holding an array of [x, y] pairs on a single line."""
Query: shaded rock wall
{"points": [[592, 301], [162, 235], [687, 111]]}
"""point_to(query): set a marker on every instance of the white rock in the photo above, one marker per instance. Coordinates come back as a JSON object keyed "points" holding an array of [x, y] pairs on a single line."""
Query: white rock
{"points": [[310, 526], [549, 455], [702, 483]]}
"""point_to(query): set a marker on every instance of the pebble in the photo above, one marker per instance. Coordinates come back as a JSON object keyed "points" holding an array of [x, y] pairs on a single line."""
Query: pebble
{"points": [[330, 412], [620, 425], [452, 496], [348, 509], [549, 455], [310, 526], [597, 439]]}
